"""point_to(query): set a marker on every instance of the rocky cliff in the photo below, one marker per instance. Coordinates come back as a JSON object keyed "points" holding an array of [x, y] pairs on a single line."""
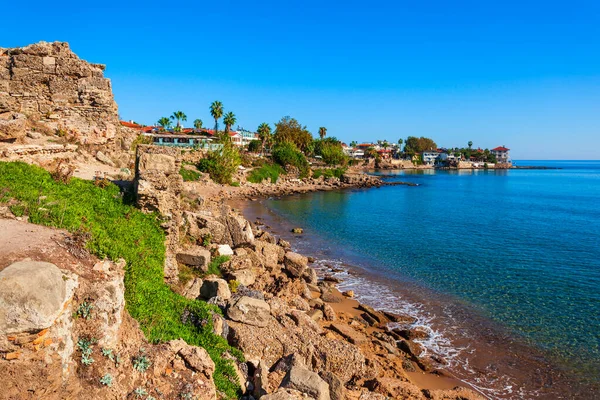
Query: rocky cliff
{"points": [[48, 82]]}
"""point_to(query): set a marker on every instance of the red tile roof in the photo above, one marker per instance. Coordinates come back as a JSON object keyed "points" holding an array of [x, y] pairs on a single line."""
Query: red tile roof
{"points": [[500, 148], [130, 125]]}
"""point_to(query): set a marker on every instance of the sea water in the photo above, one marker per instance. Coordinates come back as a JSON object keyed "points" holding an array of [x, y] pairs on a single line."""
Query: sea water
{"points": [[510, 258]]}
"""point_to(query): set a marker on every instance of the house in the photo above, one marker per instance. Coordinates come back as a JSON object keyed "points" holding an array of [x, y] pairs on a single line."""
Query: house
{"points": [[242, 137], [502, 155], [385, 154], [182, 140], [430, 156]]}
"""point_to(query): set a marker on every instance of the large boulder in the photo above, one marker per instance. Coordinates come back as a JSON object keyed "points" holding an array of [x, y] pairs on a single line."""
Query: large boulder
{"points": [[12, 126], [215, 287], [197, 257], [295, 263], [286, 394], [306, 381], [270, 253], [33, 294], [240, 230], [250, 311]]}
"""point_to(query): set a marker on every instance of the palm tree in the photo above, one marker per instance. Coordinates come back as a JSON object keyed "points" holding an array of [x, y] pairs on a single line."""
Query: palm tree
{"points": [[179, 116], [229, 119], [198, 124], [400, 141], [385, 145], [164, 123], [322, 132], [264, 134], [353, 144], [216, 110], [470, 144]]}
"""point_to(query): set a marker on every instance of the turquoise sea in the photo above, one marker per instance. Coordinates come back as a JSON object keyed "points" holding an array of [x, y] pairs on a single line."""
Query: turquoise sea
{"points": [[502, 266]]}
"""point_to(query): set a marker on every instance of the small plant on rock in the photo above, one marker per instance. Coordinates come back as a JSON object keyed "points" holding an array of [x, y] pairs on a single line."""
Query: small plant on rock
{"points": [[107, 380], [85, 310], [140, 392], [233, 285], [141, 363], [206, 240], [108, 353], [85, 346]]}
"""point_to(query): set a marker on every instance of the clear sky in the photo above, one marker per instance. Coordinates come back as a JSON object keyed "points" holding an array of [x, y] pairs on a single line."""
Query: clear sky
{"points": [[525, 74]]}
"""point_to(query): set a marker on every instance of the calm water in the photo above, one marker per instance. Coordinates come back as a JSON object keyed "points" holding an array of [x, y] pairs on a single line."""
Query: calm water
{"points": [[520, 248]]}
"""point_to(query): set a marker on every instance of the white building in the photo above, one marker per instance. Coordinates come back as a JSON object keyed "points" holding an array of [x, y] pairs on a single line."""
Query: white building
{"points": [[502, 155], [429, 157]]}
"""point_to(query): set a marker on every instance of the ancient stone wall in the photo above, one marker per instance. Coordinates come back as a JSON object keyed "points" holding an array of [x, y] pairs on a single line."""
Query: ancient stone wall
{"points": [[48, 82]]}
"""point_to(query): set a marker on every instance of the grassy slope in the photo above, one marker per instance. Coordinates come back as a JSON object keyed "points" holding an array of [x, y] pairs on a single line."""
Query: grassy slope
{"points": [[118, 231]]}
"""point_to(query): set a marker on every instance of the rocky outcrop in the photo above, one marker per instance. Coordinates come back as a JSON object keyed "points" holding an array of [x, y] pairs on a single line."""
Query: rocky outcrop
{"points": [[47, 81], [306, 381], [157, 186], [33, 295], [250, 311]]}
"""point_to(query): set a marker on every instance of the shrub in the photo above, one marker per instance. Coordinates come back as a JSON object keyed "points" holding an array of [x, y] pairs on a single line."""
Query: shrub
{"points": [[141, 363], [255, 146], [330, 149], [286, 155], [329, 172], [222, 164], [267, 171], [118, 230], [214, 268]]}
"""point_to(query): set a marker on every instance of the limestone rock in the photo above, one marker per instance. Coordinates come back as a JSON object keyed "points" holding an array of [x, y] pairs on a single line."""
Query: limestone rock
{"points": [[337, 391], [250, 311], [286, 394], [295, 263], [224, 250], [215, 287], [12, 126], [305, 381], [310, 276], [192, 288], [33, 294], [396, 389], [244, 276], [104, 159], [270, 253], [329, 313], [196, 257], [352, 335]]}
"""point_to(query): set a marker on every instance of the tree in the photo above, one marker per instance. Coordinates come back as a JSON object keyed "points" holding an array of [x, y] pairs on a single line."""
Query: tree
{"points": [[400, 141], [330, 149], [353, 144], [385, 145], [198, 124], [322, 132], [164, 123], [216, 110], [179, 116], [418, 145], [229, 120], [264, 134], [470, 144], [289, 130]]}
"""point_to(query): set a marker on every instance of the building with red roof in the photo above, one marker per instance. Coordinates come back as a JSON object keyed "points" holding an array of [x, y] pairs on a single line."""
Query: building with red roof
{"points": [[501, 153]]}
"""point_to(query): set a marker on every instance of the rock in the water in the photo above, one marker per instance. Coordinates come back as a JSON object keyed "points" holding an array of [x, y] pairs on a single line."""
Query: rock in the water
{"points": [[297, 230], [305, 381], [224, 250], [215, 287], [284, 243], [295, 263], [348, 293], [195, 257], [32, 295], [250, 311]]}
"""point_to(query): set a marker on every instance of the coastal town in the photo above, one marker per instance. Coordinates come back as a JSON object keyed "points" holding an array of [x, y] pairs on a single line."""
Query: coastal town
{"points": [[380, 151]]}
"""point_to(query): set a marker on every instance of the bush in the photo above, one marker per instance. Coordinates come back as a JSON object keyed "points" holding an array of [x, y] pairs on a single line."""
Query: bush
{"points": [[330, 149], [222, 164], [329, 172], [255, 146], [287, 154], [118, 230], [266, 171]]}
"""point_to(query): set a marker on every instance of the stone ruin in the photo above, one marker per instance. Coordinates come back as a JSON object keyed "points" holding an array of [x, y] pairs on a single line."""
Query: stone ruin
{"points": [[47, 82]]}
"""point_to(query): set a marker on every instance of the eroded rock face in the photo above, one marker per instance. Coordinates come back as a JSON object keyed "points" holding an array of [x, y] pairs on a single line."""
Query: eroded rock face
{"points": [[48, 81], [33, 294]]}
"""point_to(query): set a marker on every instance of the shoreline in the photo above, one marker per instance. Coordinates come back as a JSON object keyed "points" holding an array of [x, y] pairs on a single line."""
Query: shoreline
{"points": [[541, 373]]}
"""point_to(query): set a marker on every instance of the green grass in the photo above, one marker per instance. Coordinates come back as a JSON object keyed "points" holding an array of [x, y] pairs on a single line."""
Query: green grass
{"points": [[188, 175], [215, 264], [267, 171], [329, 172], [118, 230]]}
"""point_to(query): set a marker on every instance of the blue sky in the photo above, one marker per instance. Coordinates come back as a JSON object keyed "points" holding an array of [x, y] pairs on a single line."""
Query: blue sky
{"points": [[522, 74]]}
